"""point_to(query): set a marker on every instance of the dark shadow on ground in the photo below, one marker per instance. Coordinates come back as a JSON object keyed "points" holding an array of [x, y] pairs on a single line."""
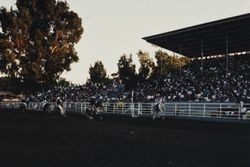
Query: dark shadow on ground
{"points": [[38, 139]]}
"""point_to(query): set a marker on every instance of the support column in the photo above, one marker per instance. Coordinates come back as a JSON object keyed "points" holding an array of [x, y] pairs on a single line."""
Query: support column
{"points": [[180, 54], [180, 48], [202, 54], [226, 53]]}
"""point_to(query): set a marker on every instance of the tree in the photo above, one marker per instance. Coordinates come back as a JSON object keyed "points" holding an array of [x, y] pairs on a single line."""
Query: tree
{"points": [[127, 71], [37, 40], [179, 61], [62, 82], [98, 73], [163, 61], [166, 63], [146, 66]]}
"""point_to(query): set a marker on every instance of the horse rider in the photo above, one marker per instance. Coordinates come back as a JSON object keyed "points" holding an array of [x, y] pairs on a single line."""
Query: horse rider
{"points": [[91, 110], [59, 107], [158, 108], [46, 106]]}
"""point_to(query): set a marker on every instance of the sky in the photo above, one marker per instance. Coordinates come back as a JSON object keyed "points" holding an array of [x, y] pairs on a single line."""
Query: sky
{"points": [[115, 27]]}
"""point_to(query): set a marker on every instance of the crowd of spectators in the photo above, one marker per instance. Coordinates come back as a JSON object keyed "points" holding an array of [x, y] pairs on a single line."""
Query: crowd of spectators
{"points": [[82, 93], [211, 82], [206, 80]]}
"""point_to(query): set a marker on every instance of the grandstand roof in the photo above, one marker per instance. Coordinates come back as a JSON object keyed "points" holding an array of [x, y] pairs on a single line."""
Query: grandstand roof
{"points": [[212, 36]]}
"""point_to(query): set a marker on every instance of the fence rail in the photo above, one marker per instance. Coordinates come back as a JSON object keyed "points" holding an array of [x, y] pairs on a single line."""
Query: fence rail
{"points": [[202, 110]]}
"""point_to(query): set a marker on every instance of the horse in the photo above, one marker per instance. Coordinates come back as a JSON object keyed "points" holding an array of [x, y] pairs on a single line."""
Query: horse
{"points": [[99, 110], [157, 109], [23, 106], [94, 110], [90, 112], [59, 108], [46, 107]]}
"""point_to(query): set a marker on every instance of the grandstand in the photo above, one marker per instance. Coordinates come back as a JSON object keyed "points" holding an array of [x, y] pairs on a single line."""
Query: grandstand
{"points": [[220, 68]]}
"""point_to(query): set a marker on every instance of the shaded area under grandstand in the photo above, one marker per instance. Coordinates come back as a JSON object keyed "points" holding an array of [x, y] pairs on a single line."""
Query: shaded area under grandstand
{"points": [[33, 139]]}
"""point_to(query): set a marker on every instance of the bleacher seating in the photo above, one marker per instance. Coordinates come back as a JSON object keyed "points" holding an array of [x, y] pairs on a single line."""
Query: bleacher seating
{"points": [[193, 83]]}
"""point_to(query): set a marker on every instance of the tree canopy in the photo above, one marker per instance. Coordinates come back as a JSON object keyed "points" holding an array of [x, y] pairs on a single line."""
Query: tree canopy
{"points": [[37, 40], [127, 71], [146, 66], [166, 63], [97, 72]]}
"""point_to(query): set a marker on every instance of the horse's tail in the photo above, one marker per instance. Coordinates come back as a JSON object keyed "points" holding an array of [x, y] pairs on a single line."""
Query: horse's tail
{"points": [[61, 110]]}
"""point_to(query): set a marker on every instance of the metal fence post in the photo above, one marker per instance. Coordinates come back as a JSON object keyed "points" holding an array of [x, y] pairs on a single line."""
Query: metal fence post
{"points": [[204, 110], [189, 110], [151, 108], [220, 110], [139, 109], [85, 106], [122, 107], [175, 109], [132, 109], [106, 107], [81, 107], [113, 107], [239, 112]]}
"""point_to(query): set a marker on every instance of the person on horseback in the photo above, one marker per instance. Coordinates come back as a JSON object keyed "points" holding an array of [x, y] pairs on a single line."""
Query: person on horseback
{"points": [[99, 110], [91, 110], [158, 108], [59, 107], [46, 107], [23, 105]]}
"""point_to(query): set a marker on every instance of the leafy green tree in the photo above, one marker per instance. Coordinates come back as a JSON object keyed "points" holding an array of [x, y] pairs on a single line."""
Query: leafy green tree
{"points": [[166, 63], [127, 71], [163, 61], [146, 66], [98, 73], [37, 40], [179, 61]]}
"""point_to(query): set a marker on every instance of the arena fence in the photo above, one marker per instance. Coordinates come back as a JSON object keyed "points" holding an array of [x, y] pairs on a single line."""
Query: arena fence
{"points": [[192, 110]]}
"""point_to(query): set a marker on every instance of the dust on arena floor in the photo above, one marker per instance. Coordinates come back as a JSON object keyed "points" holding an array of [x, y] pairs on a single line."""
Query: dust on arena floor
{"points": [[38, 139]]}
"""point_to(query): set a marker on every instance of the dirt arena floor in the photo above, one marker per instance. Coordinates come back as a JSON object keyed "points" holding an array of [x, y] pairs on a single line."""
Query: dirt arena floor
{"points": [[41, 140]]}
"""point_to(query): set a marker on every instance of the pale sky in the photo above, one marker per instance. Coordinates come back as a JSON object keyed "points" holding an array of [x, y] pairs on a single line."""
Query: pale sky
{"points": [[114, 27]]}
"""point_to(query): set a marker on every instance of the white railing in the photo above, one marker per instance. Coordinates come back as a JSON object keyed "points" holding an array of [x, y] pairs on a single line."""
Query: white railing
{"points": [[201, 110], [10, 105]]}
